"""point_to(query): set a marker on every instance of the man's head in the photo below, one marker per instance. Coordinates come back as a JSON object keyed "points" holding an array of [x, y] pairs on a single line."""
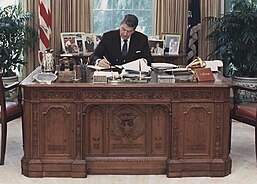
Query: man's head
{"points": [[128, 26]]}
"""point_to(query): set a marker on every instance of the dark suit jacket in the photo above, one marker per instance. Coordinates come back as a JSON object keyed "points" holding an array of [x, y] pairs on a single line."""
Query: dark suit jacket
{"points": [[110, 47]]}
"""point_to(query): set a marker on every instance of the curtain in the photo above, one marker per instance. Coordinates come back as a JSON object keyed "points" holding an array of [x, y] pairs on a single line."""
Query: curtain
{"points": [[67, 16], [172, 17], [208, 8], [31, 57]]}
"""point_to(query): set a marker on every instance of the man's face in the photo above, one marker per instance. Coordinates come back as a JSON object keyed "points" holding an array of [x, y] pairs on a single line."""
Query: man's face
{"points": [[126, 31]]}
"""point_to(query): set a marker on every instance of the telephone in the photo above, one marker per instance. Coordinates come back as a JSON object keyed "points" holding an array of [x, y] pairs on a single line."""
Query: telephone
{"points": [[196, 63]]}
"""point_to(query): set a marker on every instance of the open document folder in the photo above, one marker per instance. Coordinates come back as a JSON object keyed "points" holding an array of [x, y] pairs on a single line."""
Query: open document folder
{"points": [[135, 68]]}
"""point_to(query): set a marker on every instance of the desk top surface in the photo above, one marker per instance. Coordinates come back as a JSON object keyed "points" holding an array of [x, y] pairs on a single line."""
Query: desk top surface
{"points": [[179, 81]]}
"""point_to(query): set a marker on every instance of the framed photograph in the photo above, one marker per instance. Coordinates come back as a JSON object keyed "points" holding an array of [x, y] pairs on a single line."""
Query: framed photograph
{"points": [[154, 37], [98, 39], [90, 42], [171, 44], [156, 47], [73, 42]]}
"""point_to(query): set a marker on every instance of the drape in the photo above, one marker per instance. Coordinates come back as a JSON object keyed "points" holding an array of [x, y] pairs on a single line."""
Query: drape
{"points": [[172, 17], [208, 8]]}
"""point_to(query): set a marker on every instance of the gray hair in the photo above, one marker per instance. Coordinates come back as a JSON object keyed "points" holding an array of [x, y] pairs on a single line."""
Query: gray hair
{"points": [[130, 20]]}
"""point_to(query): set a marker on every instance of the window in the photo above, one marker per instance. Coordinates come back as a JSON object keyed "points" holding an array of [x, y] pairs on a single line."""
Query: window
{"points": [[107, 14], [229, 5], [4, 3]]}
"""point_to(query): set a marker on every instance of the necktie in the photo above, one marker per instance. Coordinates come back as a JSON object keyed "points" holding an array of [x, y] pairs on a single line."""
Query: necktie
{"points": [[124, 48]]}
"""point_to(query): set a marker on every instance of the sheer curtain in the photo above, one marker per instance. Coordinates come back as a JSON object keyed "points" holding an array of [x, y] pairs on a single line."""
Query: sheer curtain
{"points": [[67, 16]]}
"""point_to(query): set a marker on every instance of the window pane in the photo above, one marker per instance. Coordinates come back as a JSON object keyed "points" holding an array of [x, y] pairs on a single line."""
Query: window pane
{"points": [[101, 18], [109, 13], [102, 4], [145, 20], [4, 3], [123, 4], [143, 4]]}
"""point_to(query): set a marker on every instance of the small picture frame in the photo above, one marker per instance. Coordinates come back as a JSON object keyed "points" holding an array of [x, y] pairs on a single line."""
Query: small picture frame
{"points": [[73, 42], [156, 46], [90, 42], [98, 39], [154, 37], [171, 43]]}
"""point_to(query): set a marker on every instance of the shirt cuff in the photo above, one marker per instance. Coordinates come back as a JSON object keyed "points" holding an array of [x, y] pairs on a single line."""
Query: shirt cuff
{"points": [[97, 61]]}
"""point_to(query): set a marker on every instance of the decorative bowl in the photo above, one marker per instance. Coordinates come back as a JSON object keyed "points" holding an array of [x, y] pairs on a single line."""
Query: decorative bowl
{"points": [[47, 78]]}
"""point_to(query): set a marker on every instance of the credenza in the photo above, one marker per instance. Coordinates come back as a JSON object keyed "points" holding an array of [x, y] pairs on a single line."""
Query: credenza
{"points": [[74, 129], [179, 59]]}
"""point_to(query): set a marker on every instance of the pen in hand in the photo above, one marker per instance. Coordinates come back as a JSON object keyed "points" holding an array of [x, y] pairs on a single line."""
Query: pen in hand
{"points": [[107, 61], [109, 66], [104, 63]]}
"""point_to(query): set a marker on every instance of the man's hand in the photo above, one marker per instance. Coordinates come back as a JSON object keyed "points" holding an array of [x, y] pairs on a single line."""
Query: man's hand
{"points": [[104, 63]]}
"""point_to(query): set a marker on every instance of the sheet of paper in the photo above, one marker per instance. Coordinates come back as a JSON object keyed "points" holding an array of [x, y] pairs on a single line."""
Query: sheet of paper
{"points": [[178, 70], [66, 55], [163, 65], [107, 74], [99, 68]]}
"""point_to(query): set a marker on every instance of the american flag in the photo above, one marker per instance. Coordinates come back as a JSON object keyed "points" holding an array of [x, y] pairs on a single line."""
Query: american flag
{"points": [[44, 26]]}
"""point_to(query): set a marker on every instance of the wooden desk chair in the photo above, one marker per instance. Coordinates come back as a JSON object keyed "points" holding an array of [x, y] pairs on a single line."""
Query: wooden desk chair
{"points": [[8, 112], [243, 111]]}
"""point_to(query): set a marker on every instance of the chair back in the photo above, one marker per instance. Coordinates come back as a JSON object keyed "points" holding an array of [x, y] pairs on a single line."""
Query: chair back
{"points": [[10, 110], [245, 112], [2, 98]]}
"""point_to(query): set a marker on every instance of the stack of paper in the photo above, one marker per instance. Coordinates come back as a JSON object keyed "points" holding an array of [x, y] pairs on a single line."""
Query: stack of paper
{"points": [[106, 74], [99, 67], [163, 66]]}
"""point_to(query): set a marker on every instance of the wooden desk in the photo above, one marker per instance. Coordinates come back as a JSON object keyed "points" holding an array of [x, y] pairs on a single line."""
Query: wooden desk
{"points": [[176, 129]]}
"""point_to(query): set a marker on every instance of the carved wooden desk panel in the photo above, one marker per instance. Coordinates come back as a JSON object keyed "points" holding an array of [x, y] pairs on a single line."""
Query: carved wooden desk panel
{"points": [[75, 129]]}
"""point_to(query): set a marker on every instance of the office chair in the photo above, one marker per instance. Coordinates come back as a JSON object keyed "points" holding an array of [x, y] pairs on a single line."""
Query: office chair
{"points": [[8, 112], [245, 112]]}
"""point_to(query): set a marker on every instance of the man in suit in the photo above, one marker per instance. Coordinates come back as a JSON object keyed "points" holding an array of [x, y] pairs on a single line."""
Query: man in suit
{"points": [[122, 46], [89, 44]]}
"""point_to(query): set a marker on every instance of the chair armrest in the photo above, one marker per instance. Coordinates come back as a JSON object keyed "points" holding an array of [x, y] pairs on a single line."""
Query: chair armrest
{"points": [[11, 86], [236, 96], [238, 87]]}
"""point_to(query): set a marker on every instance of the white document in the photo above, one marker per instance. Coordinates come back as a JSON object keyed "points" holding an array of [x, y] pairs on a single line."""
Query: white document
{"points": [[137, 65], [163, 65], [214, 65], [66, 55], [106, 74], [99, 67]]}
